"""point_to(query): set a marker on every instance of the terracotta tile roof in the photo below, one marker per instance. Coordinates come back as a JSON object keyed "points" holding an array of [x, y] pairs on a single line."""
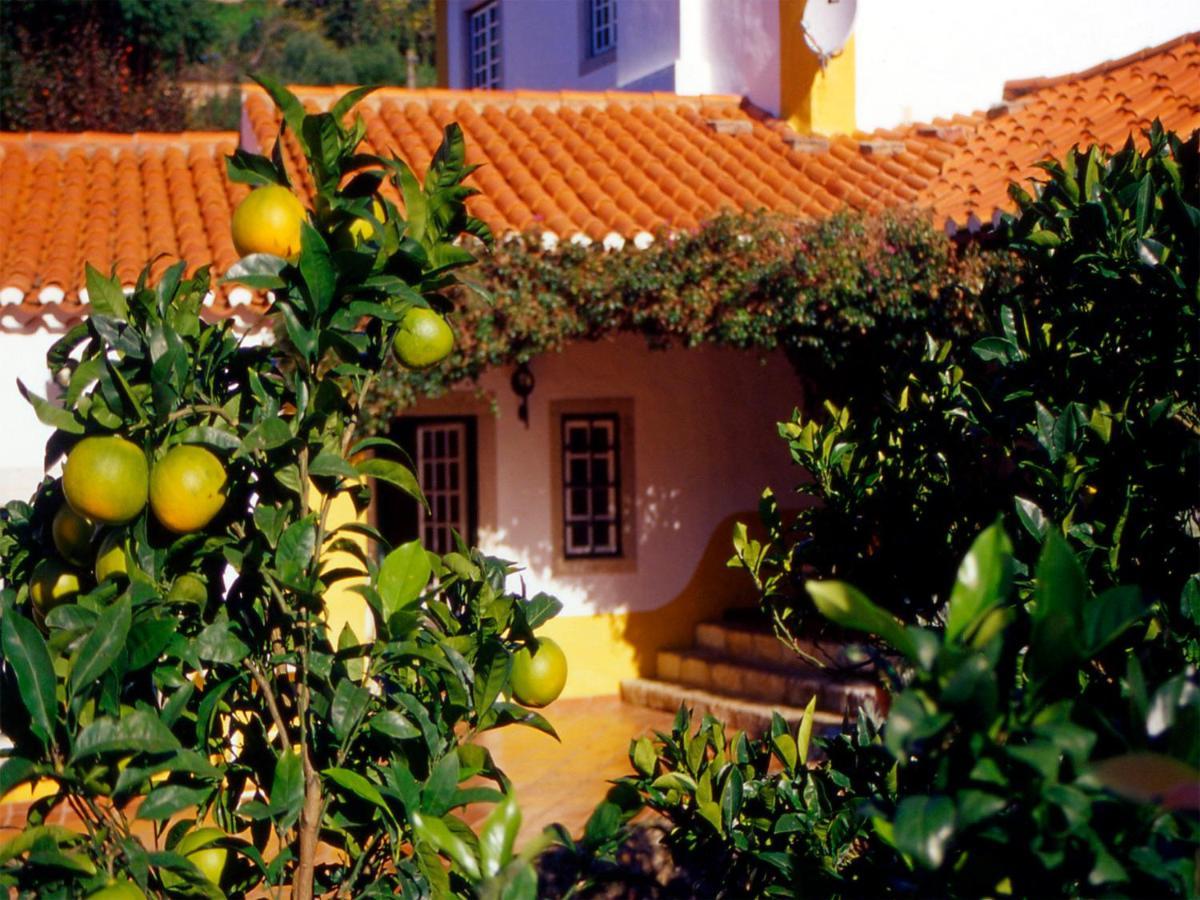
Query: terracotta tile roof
{"points": [[109, 200], [591, 166], [1044, 117], [608, 167]]}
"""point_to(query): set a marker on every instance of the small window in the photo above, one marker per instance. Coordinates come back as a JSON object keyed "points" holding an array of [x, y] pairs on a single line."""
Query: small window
{"points": [[483, 36], [591, 489], [603, 26]]}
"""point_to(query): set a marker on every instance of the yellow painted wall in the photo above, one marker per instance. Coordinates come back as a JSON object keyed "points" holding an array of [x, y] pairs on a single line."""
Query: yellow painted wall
{"points": [[812, 99]]}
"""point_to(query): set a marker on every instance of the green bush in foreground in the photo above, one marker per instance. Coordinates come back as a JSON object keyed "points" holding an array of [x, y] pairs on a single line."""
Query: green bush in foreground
{"points": [[1010, 763]]}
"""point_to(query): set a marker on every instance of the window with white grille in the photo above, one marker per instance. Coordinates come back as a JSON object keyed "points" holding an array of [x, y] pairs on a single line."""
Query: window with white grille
{"points": [[591, 473], [441, 460], [483, 36], [603, 25]]}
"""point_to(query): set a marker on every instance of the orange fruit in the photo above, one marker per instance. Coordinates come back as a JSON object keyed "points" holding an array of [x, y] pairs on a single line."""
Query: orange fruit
{"points": [[53, 584], [118, 890], [72, 535], [424, 338], [268, 221], [539, 677], [350, 235], [106, 479], [188, 588], [187, 488], [198, 847], [110, 557]]}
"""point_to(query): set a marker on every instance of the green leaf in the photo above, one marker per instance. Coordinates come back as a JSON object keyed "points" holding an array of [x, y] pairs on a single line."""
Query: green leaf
{"points": [[1108, 615], [359, 786], [139, 732], [498, 834], [395, 474], [26, 653], [732, 796], [103, 646], [266, 435], [251, 168], [924, 827], [350, 702], [804, 734], [163, 802], [1060, 593], [675, 781], [643, 756], [436, 833], [394, 725], [217, 643], [984, 581], [105, 296], [51, 414], [258, 270], [15, 771], [1031, 517], [289, 105], [849, 607], [438, 793], [349, 100], [403, 576], [316, 268], [287, 788]]}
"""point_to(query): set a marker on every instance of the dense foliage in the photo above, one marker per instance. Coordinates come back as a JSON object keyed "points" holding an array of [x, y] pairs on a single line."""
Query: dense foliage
{"points": [[1078, 410], [330, 762], [846, 296], [1011, 762]]}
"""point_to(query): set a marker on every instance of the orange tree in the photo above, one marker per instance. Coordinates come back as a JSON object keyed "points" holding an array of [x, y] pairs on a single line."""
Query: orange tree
{"points": [[195, 685]]}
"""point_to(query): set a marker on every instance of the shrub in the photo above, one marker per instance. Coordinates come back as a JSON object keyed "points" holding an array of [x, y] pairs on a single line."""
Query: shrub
{"points": [[1078, 409], [201, 682], [1011, 762]]}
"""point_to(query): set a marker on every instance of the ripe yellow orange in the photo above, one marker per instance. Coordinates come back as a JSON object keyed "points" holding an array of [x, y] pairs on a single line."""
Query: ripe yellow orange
{"points": [[268, 221], [72, 535], [538, 678], [187, 488], [53, 584], [110, 557], [424, 338], [106, 479]]}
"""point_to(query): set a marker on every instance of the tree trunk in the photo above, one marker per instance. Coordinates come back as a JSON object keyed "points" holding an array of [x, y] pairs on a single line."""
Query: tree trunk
{"points": [[310, 832]]}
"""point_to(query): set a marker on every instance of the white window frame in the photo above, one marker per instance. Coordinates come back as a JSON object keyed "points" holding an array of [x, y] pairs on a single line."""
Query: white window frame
{"points": [[602, 27], [484, 59], [443, 475]]}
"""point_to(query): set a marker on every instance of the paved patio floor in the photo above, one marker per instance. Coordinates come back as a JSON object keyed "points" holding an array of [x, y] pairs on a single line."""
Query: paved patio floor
{"points": [[563, 782]]}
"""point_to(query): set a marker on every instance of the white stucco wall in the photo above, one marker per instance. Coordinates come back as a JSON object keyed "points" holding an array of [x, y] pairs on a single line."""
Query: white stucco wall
{"points": [[730, 47], [22, 356], [926, 58], [543, 44], [705, 446]]}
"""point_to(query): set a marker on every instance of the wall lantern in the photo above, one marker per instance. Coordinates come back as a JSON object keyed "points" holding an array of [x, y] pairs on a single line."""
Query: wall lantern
{"points": [[522, 385]]}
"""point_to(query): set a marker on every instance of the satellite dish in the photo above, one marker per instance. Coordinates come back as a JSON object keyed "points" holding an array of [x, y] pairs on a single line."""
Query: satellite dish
{"points": [[826, 25]]}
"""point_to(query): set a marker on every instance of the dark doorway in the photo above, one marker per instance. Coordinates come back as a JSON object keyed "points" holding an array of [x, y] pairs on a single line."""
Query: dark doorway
{"points": [[443, 454]]}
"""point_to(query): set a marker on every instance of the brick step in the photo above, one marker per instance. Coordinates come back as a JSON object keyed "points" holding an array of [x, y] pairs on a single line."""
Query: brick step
{"points": [[759, 645], [745, 715], [792, 685]]}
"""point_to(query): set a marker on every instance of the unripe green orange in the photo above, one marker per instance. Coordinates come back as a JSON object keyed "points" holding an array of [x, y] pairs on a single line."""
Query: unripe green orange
{"points": [[198, 847], [538, 678], [424, 338], [106, 479], [119, 890], [188, 588], [187, 488]]}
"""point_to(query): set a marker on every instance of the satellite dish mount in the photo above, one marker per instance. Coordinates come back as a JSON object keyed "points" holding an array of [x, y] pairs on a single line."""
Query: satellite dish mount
{"points": [[827, 25]]}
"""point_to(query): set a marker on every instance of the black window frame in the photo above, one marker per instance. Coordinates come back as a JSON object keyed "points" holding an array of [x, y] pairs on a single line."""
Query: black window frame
{"points": [[613, 518]]}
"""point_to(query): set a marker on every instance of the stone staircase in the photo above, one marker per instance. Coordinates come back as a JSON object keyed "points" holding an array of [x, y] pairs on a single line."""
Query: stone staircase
{"points": [[741, 673]]}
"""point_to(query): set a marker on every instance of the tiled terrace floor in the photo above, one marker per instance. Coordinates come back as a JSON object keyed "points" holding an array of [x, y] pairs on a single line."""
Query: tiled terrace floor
{"points": [[555, 782], [563, 782]]}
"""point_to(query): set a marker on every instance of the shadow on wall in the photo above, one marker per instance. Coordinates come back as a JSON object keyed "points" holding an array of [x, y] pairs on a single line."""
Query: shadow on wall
{"points": [[713, 589]]}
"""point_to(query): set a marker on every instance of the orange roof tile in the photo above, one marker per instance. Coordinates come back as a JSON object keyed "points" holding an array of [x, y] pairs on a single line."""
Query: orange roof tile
{"points": [[604, 167], [111, 200], [1046, 117], [595, 166]]}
